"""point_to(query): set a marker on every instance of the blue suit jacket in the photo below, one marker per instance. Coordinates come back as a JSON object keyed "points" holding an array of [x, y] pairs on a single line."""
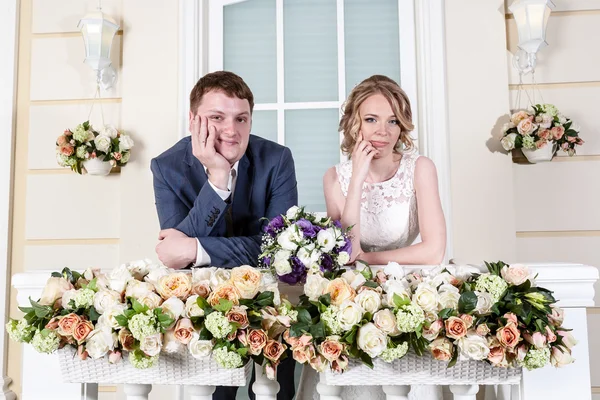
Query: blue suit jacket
{"points": [[265, 187]]}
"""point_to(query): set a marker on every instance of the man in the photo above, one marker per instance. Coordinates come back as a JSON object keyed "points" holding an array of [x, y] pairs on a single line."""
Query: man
{"points": [[213, 187]]}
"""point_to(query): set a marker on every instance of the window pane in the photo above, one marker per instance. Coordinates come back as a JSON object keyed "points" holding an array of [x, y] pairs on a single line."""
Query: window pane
{"points": [[313, 138], [250, 46], [310, 43], [264, 124], [371, 40]]}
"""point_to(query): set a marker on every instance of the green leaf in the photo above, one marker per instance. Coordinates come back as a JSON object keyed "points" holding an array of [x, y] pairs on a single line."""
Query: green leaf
{"points": [[224, 305], [40, 310], [325, 299], [26, 309], [304, 316], [371, 284], [94, 315], [350, 336], [454, 358], [205, 334], [93, 285], [138, 307], [242, 351], [122, 320], [318, 330], [367, 273], [467, 302], [400, 301], [129, 313], [202, 303], [366, 359], [296, 330], [265, 299], [56, 275], [447, 313]]}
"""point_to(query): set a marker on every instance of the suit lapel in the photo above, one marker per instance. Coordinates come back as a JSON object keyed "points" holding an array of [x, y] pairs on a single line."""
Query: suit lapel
{"points": [[243, 192]]}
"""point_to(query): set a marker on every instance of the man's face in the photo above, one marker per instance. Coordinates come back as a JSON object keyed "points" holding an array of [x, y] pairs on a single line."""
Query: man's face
{"points": [[232, 119]]}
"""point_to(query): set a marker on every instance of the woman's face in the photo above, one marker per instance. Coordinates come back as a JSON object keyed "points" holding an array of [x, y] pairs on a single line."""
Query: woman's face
{"points": [[379, 125]]}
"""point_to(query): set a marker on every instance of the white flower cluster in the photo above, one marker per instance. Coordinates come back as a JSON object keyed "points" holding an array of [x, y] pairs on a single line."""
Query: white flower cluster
{"points": [[142, 325], [84, 298], [536, 358], [46, 341], [331, 321], [492, 284], [391, 354], [217, 324], [410, 318], [20, 331], [227, 359], [139, 360]]}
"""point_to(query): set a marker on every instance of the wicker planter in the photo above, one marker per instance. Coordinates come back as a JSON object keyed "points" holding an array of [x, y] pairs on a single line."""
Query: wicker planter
{"points": [[172, 369], [414, 370]]}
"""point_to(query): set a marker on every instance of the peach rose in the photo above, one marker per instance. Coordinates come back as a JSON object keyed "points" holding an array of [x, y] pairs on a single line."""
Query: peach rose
{"points": [[61, 141], [257, 339], [455, 328], [497, 353], [550, 335], [318, 363], [126, 339], [178, 284], [242, 336], [509, 335], [52, 324], [537, 339], [518, 117], [54, 290], [510, 317], [340, 291], [82, 330], [66, 150], [338, 366], [433, 331], [515, 274], [238, 315], [557, 316], [540, 144], [201, 289], [184, 330], [441, 349], [331, 349], [544, 134], [246, 280], [292, 341], [304, 354], [273, 350], [560, 358], [557, 132], [468, 319], [117, 156], [567, 339], [482, 330], [82, 353], [526, 126], [114, 356], [224, 291], [67, 324]]}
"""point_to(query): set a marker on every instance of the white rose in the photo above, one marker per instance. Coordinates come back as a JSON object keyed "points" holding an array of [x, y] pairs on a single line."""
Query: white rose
{"points": [[371, 340], [67, 297], [525, 127], [562, 119], [171, 344], [155, 274], [463, 272], [386, 321], [102, 143], [315, 286], [200, 349], [343, 258], [150, 300], [304, 256], [151, 344], [368, 300], [484, 303], [219, 277], [354, 278], [392, 287], [507, 126], [326, 240], [105, 299], [282, 262], [125, 142], [276, 294], [192, 309], [108, 131], [449, 299], [174, 307], [443, 278], [349, 315], [118, 278], [202, 274], [446, 287], [508, 141], [426, 297], [137, 289], [515, 274], [289, 237], [473, 347], [293, 212], [99, 343], [547, 120], [394, 270], [140, 268], [109, 318]]}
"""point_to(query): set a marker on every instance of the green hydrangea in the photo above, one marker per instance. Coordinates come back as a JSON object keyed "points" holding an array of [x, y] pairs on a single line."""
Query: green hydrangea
{"points": [[528, 142], [80, 134], [331, 321], [492, 284], [125, 157], [45, 341], [395, 353], [409, 318], [140, 360], [142, 325], [550, 109], [81, 152], [227, 359], [84, 298], [218, 325], [536, 358], [20, 331]]}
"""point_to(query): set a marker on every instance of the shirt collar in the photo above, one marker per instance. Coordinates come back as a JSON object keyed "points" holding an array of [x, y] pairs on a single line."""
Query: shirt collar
{"points": [[234, 168]]}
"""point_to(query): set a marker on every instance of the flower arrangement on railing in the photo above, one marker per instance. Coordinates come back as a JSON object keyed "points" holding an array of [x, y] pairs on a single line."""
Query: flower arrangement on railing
{"points": [[300, 243], [542, 127], [455, 313], [85, 145], [146, 309]]}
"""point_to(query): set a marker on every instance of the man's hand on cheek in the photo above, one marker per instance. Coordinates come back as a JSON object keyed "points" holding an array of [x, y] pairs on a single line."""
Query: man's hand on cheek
{"points": [[203, 148], [175, 249]]}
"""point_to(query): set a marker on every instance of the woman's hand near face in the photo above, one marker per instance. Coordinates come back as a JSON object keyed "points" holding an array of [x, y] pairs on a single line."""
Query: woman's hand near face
{"points": [[361, 160]]}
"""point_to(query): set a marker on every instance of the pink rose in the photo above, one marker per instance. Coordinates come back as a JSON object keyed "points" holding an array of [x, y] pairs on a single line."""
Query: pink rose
{"points": [[61, 141], [579, 141], [67, 132], [338, 366], [331, 349], [522, 352], [537, 339], [117, 156], [433, 331], [82, 330], [304, 354], [380, 277], [318, 363], [257, 339], [441, 349], [497, 354], [511, 318], [292, 341], [544, 134], [242, 336], [518, 117], [52, 324], [516, 274], [526, 126], [273, 350], [509, 335], [93, 155], [239, 316], [557, 132], [550, 335], [571, 139], [184, 331], [565, 146], [82, 353], [567, 339], [54, 290], [114, 356], [540, 144], [482, 330], [67, 324], [560, 358], [455, 328], [66, 150], [468, 319], [202, 289], [271, 371]]}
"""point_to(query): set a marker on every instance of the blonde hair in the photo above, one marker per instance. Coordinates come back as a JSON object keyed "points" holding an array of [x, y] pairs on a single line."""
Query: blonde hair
{"points": [[377, 84]]}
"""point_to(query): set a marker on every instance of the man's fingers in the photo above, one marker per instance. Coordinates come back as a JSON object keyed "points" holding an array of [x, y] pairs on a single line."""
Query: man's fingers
{"points": [[210, 139], [203, 132], [164, 233]]}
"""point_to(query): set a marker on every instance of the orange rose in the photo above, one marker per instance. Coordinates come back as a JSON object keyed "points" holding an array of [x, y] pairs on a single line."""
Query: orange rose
{"points": [[177, 284], [67, 324], [257, 339], [82, 330], [184, 330], [468, 319], [52, 324], [292, 341], [455, 328], [126, 339], [509, 335], [339, 290], [497, 354], [441, 349], [331, 349], [62, 140], [238, 315], [273, 350], [225, 291]]}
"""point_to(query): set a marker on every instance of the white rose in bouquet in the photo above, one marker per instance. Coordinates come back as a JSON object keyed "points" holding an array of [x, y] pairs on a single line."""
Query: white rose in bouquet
{"points": [[118, 278], [392, 287], [343, 258], [282, 262], [171, 344], [200, 349], [152, 344], [202, 274], [368, 300], [67, 297], [315, 286], [105, 299], [140, 268], [463, 272], [508, 141], [125, 142], [371, 340], [386, 321], [326, 240], [484, 303], [394, 270], [449, 299], [426, 297], [354, 278], [192, 309], [150, 300], [109, 318], [100, 342], [108, 130], [473, 347], [138, 289], [102, 143], [174, 307], [349, 315], [155, 274], [308, 255], [219, 277], [293, 212]]}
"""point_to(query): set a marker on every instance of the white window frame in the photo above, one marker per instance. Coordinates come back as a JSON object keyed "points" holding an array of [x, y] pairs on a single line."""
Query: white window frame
{"points": [[423, 74]]}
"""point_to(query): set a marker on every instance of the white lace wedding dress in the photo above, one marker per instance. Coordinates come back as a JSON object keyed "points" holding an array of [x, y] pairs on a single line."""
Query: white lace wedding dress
{"points": [[388, 220]]}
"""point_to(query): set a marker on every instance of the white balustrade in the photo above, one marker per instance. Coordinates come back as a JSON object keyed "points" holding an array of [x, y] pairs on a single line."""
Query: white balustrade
{"points": [[572, 284]]}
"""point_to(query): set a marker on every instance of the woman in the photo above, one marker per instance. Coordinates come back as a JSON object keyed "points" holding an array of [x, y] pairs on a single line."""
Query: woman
{"points": [[386, 192]]}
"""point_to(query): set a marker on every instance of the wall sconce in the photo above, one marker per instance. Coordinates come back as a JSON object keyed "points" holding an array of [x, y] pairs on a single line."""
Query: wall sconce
{"points": [[531, 17], [98, 32]]}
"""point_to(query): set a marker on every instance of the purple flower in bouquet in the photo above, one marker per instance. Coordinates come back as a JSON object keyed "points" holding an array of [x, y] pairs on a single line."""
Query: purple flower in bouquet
{"points": [[298, 274], [266, 261], [347, 246], [337, 224], [326, 263], [274, 226], [308, 229]]}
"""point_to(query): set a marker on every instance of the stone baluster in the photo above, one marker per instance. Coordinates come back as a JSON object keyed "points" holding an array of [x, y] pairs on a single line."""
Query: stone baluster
{"points": [[328, 392], [137, 392], [90, 391], [201, 392], [399, 392], [464, 392], [263, 387]]}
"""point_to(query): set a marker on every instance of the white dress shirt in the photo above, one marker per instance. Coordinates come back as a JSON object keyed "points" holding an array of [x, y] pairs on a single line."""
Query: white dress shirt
{"points": [[202, 257]]}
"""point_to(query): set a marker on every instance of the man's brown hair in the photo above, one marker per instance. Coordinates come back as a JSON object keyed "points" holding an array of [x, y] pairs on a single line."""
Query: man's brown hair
{"points": [[227, 82]]}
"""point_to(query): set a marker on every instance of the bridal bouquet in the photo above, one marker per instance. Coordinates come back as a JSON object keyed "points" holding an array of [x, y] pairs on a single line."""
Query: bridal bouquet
{"points": [[144, 310], [542, 125], [85, 142], [300, 243]]}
